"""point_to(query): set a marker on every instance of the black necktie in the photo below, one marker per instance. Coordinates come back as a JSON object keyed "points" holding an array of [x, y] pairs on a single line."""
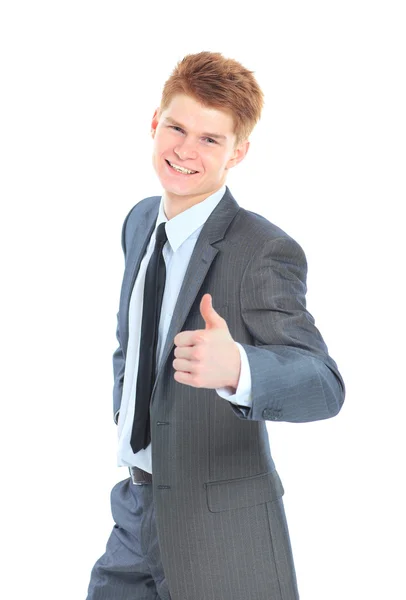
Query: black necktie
{"points": [[153, 294]]}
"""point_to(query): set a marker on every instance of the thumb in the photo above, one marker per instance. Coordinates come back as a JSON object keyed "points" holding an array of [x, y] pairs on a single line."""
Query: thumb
{"points": [[212, 319]]}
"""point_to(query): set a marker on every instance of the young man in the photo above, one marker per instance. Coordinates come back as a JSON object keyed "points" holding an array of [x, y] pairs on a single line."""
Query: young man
{"points": [[214, 340]]}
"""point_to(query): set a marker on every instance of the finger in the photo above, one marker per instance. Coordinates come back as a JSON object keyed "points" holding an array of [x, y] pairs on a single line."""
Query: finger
{"points": [[184, 352], [186, 338], [185, 366], [184, 378]]}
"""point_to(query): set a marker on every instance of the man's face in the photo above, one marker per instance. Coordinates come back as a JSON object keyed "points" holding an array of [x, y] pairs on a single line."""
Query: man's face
{"points": [[190, 135]]}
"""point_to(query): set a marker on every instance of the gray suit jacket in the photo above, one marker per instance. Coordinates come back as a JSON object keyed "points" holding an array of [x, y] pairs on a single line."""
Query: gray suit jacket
{"points": [[218, 498]]}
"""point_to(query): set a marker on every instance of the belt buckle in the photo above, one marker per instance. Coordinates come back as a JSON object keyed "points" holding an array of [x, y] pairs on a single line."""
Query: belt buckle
{"points": [[133, 478]]}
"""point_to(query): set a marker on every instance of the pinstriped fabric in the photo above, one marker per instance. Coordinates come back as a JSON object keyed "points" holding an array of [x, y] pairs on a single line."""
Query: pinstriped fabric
{"points": [[220, 518]]}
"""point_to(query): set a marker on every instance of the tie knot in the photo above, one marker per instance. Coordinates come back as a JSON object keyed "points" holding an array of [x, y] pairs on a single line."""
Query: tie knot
{"points": [[161, 236]]}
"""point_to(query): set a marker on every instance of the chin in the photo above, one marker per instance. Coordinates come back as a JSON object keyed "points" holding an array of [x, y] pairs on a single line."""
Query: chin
{"points": [[181, 189], [176, 192]]}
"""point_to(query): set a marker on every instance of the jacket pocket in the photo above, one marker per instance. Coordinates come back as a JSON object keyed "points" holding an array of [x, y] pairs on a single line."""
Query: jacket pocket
{"points": [[243, 492]]}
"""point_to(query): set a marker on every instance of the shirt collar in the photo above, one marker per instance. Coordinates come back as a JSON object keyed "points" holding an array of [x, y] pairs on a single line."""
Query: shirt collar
{"points": [[180, 228]]}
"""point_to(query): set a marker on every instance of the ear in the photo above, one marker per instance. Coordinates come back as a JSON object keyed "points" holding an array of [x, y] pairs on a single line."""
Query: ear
{"points": [[155, 121], [239, 154]]}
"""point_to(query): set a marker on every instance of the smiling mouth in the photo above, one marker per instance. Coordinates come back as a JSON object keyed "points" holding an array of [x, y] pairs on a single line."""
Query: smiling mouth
{"points": [[180, 170]]}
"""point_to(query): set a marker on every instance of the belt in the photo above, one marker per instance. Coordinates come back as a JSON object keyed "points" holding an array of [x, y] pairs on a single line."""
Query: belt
{"points": [[139, 477]]}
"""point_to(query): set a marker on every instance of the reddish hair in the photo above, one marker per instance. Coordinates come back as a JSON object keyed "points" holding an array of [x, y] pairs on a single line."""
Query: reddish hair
{"points": [[221, 83]]}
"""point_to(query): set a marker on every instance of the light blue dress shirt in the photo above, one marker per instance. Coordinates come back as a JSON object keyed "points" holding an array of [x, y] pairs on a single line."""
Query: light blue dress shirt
{"points": [[182, 232]]}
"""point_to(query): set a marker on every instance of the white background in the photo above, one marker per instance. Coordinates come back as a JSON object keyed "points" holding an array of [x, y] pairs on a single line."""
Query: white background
{"points": [[80, 82]]}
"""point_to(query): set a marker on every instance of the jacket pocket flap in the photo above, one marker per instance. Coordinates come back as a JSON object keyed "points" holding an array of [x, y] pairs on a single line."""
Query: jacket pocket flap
{"points": [[247, 491]]}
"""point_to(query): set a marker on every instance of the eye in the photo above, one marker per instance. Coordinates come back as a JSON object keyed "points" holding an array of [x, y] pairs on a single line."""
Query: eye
{"points": [[177, 128]]}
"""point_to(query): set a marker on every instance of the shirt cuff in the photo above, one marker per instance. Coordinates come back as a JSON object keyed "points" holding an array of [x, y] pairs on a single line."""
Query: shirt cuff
{"points": [[242, 394]]}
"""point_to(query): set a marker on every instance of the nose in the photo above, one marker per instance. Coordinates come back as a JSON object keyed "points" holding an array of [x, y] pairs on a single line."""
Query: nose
{"points": [[185, 151]]}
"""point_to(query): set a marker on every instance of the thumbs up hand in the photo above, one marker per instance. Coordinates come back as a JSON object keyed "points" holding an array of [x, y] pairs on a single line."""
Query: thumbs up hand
{"points": [[209, 357]]}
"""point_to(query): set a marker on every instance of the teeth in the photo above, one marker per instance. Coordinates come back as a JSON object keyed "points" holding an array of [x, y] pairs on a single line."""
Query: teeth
{"points": [[180, 169]]}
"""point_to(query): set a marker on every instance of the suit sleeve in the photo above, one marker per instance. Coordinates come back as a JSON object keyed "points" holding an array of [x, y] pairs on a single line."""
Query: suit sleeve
{"points": [[293, 377]]}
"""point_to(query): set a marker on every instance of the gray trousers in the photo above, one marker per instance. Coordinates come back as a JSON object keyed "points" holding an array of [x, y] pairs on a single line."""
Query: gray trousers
{"points": [[131, 567]]}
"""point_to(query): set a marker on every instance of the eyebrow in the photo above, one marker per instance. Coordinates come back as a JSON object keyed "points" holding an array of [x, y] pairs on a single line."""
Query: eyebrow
{"points": [[215, 136]]}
